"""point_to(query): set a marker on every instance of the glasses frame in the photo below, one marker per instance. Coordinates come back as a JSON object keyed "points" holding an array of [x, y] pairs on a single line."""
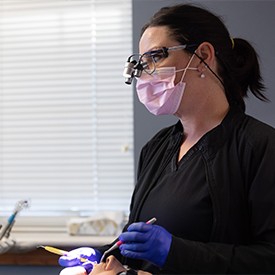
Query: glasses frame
{"points": [[164, 51], [134, 66]]}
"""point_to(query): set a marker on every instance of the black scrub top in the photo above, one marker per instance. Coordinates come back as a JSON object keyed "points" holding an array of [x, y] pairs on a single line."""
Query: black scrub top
{"points": [[181, 200]]}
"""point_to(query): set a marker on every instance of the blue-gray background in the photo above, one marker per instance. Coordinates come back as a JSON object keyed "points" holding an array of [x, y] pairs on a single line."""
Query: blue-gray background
{"points": [[252, 20]]}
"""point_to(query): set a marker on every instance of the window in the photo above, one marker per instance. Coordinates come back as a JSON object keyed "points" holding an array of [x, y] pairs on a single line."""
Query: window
{"points": [[66, 116]]}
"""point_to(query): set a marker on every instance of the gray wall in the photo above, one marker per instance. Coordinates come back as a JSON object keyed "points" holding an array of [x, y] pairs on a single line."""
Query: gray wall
{"points": [[251, 20]]}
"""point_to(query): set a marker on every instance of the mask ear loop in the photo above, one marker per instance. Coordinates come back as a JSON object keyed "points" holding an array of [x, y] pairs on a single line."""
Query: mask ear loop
{"points": [[187, 67]]}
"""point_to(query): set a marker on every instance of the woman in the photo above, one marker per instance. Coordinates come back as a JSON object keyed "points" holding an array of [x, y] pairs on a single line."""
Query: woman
{"points": [[208, 179]]}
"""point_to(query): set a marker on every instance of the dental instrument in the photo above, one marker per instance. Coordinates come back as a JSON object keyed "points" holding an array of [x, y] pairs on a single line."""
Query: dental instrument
{"points": [[59, 252], [5, 230], [119, 243]]}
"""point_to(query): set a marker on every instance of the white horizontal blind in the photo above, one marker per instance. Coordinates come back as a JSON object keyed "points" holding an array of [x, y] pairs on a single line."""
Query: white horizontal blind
{"points": [[66, 116]]}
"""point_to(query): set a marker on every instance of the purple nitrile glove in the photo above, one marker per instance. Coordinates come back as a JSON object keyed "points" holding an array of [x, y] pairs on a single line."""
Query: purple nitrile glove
{"points": [[73, 258], [147, 242]]}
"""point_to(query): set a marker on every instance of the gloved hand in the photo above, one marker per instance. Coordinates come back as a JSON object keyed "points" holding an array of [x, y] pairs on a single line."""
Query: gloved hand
{"points": [[147, 242], [73, 258], [6, 244]]}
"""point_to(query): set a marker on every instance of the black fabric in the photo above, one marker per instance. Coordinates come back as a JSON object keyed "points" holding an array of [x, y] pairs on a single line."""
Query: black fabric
{"points": [[237, 159], [181, 201]]}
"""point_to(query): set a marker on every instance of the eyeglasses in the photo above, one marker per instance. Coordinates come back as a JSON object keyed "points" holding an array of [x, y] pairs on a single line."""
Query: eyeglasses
{"points": [[148, 60], [137, 63]]}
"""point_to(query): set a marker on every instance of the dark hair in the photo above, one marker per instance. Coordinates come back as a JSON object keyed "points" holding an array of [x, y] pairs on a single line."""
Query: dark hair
{"points": [[238, 62]]}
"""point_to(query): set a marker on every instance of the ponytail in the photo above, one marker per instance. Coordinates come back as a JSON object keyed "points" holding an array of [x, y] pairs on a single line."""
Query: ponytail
{"points": [[246, 69], [241, 73]]}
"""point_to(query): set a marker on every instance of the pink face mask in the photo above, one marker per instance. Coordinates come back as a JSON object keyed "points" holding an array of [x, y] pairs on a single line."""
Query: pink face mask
{"points": [[158, 92]]}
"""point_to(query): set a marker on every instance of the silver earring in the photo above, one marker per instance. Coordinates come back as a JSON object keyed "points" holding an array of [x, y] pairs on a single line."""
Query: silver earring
{"points": [[202, 75]]}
